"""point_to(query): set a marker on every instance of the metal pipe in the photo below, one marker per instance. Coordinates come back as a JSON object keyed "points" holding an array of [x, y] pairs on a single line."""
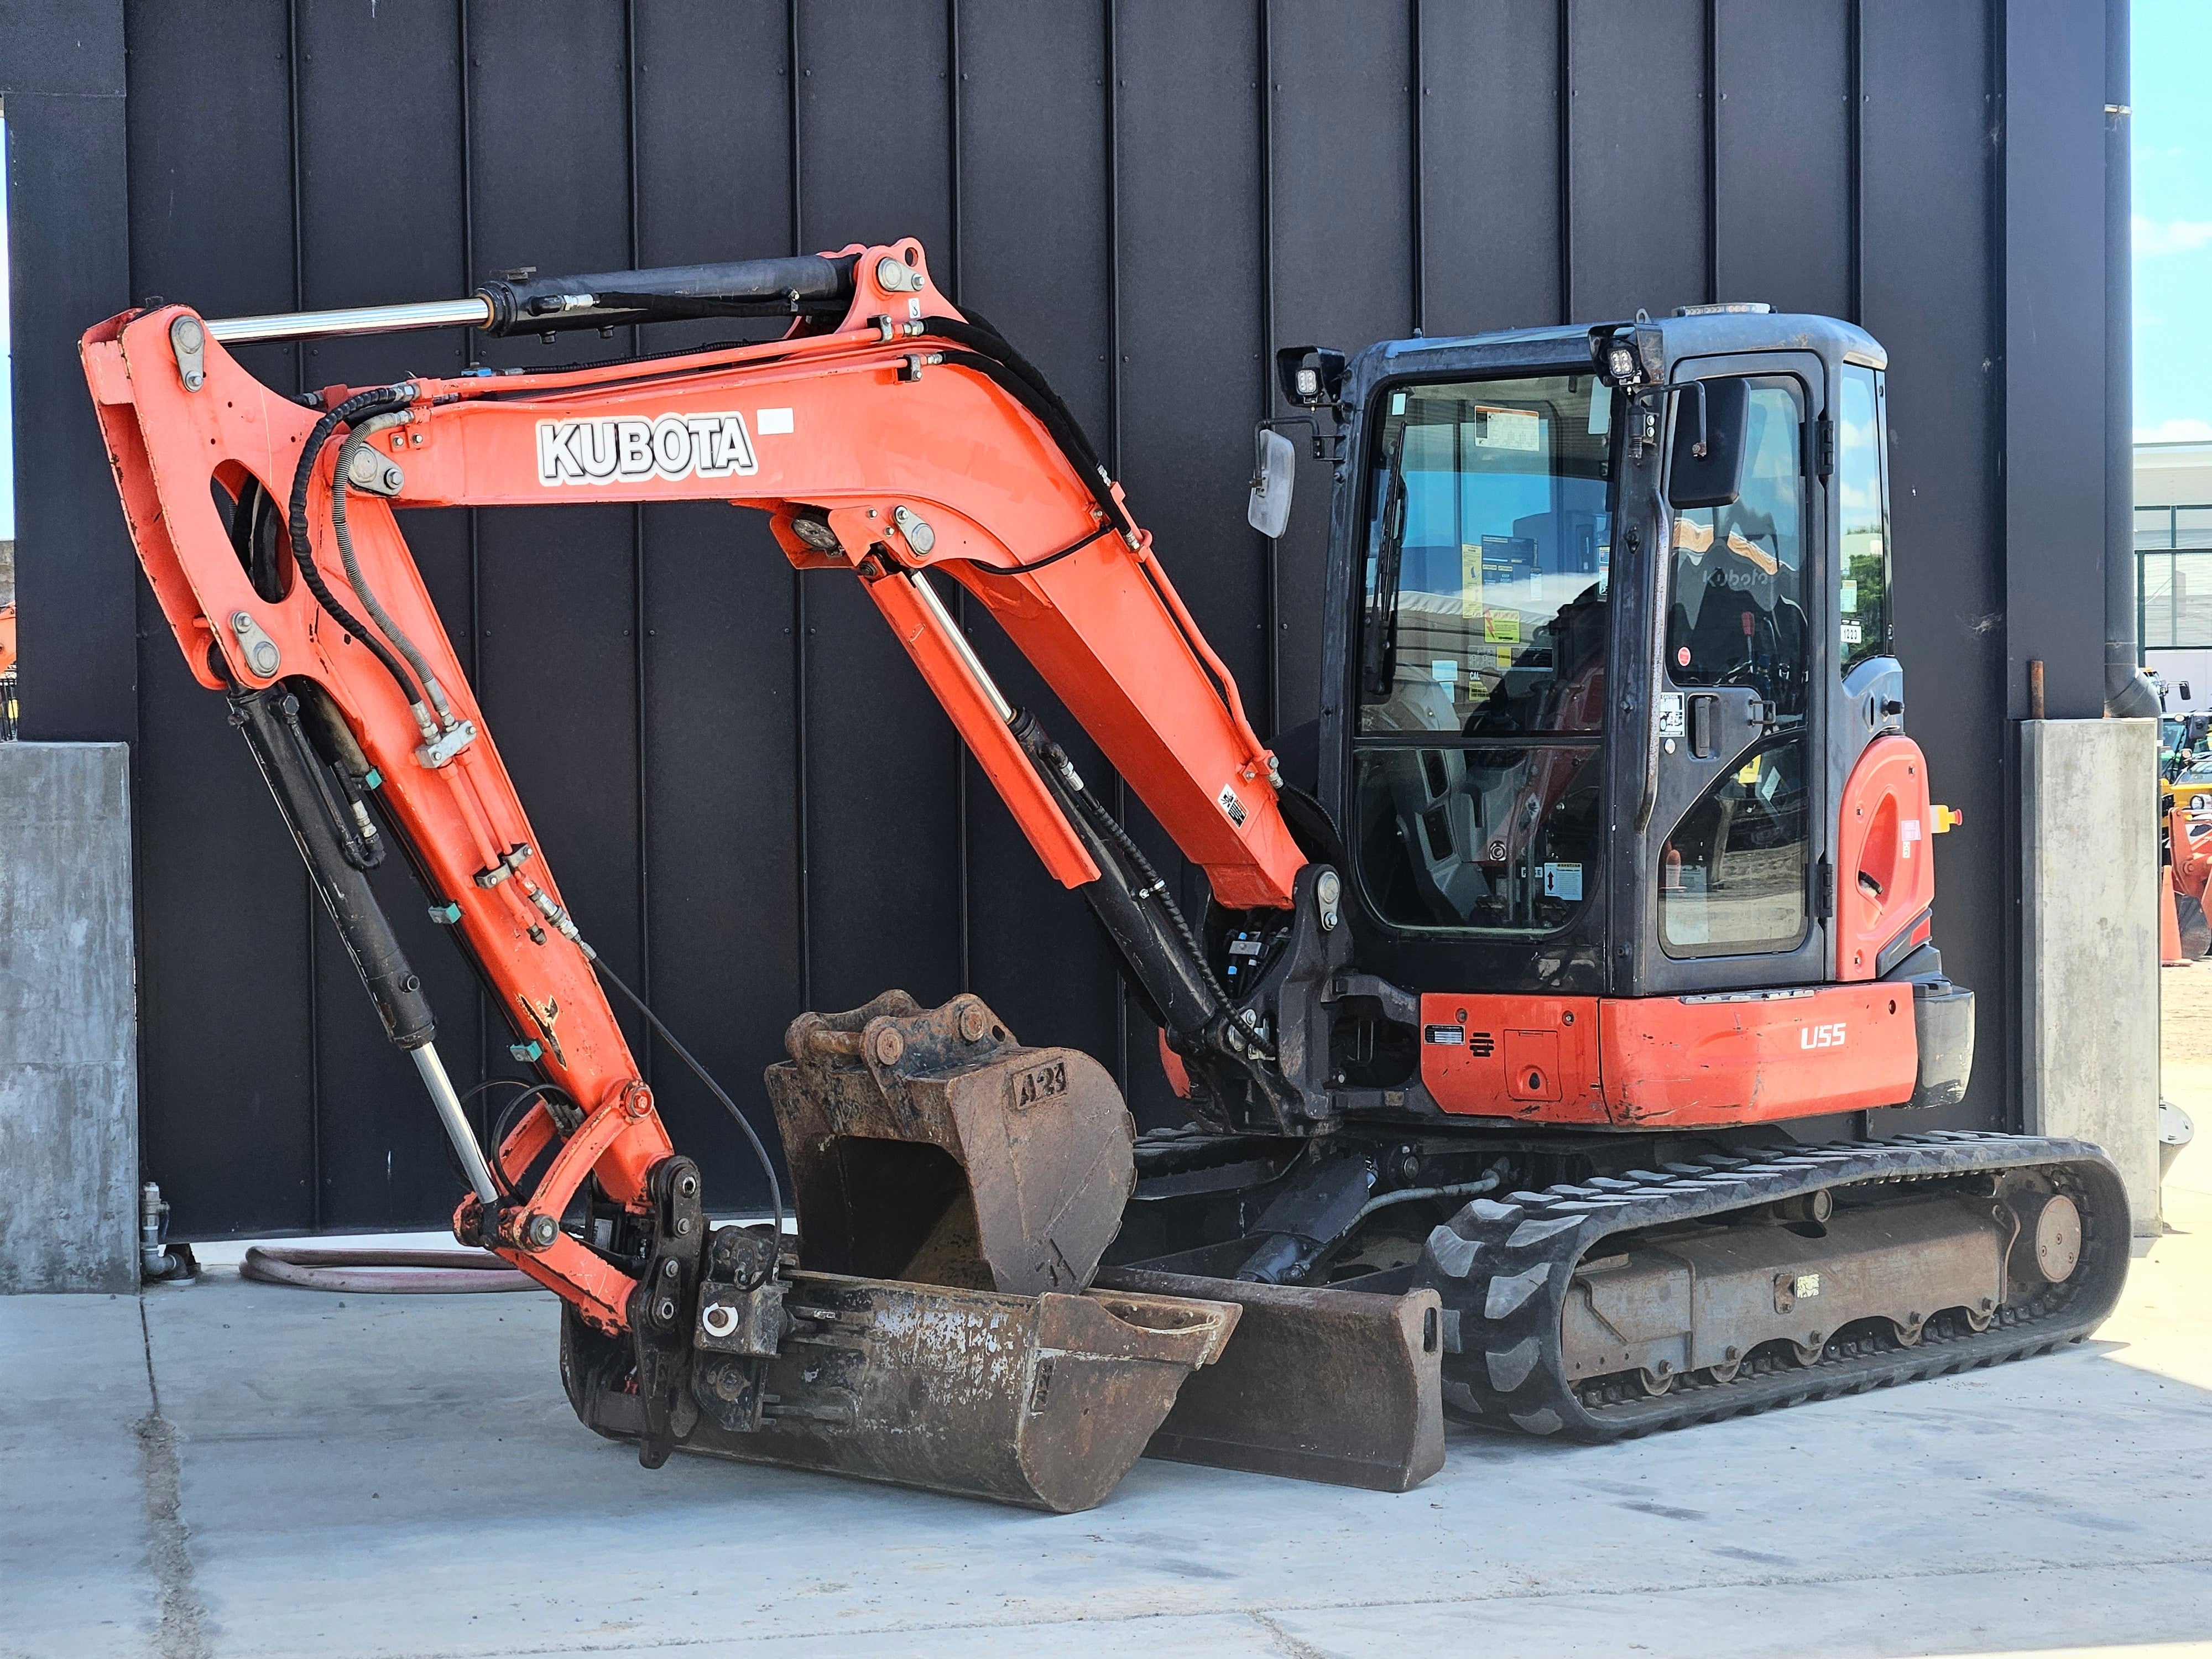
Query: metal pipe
{"points": [[475, 312], [2128, 692], [154, 1259], [457, 1124]]}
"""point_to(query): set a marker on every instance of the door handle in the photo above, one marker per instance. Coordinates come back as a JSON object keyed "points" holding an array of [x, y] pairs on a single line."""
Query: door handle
{"points": [[1704, 708]]}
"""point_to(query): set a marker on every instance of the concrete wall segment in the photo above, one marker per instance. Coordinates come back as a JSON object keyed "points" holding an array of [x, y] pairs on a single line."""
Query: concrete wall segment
{"points": [[69, 1063]]}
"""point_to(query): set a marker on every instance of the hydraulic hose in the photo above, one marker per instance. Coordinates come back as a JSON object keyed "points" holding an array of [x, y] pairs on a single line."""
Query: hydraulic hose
{"points": [[760, 1151], [343, 482], [303, 550]]}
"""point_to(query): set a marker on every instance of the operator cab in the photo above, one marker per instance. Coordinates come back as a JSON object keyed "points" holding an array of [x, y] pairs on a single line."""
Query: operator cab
{"points": [[1612, 607]]}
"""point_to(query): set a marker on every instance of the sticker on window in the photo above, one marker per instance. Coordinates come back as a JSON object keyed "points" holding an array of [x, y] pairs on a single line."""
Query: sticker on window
{"points": [[1444, 671], [1852, 634], [1850, 599], [1563, 881], [1470, 579], [1502, 625], [1508, 429]]}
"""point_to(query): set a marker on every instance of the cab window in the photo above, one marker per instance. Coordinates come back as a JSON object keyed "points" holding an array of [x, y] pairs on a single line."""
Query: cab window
{"points": [[1736, 613], [1734, 876], [1476, 774], [1488, 545], [1862, 584]]}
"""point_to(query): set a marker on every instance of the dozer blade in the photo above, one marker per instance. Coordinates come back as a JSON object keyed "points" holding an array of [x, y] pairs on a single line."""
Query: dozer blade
{"points": [[1336, 1386], [928, 1145]]}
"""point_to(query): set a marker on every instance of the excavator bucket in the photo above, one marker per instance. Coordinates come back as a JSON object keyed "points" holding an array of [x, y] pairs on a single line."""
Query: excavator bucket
{"points": [[928, 1144], [1040, 1400], [956, 1192]]}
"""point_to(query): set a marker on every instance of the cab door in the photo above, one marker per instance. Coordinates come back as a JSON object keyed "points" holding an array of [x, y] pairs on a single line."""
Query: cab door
{"points": [[1738, 845]]}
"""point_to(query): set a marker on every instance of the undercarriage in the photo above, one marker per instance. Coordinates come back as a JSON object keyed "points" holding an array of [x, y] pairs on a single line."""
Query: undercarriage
{"points": [[1038, 1296]]}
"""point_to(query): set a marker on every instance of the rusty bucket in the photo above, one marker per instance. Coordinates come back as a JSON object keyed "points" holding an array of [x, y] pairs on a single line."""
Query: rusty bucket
{"points": [[1040, 1400], [928, 1144]]}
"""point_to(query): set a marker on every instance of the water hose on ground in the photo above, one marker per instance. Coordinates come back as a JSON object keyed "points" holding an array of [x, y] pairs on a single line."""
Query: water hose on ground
{"points": [[370, 1273]]}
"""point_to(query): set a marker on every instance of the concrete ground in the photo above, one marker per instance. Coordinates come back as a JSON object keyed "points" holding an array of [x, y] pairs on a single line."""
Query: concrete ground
{"points": [[231, 1468]]}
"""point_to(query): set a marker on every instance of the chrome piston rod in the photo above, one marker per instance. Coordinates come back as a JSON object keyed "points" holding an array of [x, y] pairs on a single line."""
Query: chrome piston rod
{"points": [[457, 1124], [475, 312]]}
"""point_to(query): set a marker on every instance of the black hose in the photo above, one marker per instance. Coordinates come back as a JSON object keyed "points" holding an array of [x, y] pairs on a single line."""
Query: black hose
{"points": [[303, 552], [1110, 827], [342, 483], [760, 1151], [1052, 415]]}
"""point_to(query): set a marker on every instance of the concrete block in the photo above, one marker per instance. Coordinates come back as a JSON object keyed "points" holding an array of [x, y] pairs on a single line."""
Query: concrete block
{"points": [[2089, 942], [69, 1060]]}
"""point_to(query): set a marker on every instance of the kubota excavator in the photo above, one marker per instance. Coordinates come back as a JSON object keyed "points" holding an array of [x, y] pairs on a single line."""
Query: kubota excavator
{"points": [[1607, 861]]}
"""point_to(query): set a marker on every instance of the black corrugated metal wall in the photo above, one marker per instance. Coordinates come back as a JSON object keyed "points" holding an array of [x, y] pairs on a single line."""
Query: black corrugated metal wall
{"points": [[751, 807]]}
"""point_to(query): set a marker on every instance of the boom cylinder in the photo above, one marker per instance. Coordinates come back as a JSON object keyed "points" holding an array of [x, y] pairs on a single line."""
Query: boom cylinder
{"points": [[271, 722]]}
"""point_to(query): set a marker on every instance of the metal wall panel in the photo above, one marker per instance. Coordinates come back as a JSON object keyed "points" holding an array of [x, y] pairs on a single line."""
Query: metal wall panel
{"points": [[712, 94], [2054, 387], [745, 797], [1191, 337], [1783, 116], [1639, 153], [1032, 252], [1490, 165], [1343, 253], [881, 762], [228, 948], [62, 75], [1927, 179]]}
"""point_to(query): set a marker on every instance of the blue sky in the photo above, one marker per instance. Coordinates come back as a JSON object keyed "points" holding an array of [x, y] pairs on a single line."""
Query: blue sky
{"points": [[2172, 216], [2172, 232]]}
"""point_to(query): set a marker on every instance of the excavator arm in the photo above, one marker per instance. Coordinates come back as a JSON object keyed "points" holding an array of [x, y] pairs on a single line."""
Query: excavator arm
{"points": [[886, 434]]}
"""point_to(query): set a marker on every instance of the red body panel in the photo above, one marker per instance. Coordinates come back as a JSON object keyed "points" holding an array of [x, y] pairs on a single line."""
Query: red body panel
{"points": [[1674, 1062], [1514, 1056], [1885, 864]]}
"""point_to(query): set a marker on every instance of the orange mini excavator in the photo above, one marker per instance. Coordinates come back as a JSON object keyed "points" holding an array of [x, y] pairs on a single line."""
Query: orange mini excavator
{"points": [[1607, 862]]}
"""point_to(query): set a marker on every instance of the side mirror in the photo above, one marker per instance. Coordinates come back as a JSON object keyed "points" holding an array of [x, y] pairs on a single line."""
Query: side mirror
{"points": [[1274, 472], [1709, 430]]}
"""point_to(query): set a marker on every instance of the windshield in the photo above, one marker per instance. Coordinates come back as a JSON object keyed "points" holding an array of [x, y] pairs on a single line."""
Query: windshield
{"points": [[1488, 542]]}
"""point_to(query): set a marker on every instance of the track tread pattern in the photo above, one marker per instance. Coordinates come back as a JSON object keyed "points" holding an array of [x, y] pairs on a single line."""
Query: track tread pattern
{"points": [[1505, 1267]]}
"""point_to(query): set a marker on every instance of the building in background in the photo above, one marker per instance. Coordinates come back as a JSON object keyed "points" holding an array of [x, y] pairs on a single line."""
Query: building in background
{"points": [[2173, 556]]}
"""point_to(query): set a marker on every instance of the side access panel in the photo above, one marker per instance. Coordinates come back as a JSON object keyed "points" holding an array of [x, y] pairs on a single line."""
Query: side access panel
{"points": [[1756, 1056], [1527, 1057], [1704, 1061]]}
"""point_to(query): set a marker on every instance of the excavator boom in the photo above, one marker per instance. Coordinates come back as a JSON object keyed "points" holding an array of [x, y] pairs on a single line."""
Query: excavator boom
{"points": [[887, 437]]}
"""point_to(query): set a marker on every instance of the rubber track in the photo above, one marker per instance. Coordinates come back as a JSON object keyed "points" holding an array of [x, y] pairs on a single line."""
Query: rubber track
{"points": [[1506, 1267]]}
